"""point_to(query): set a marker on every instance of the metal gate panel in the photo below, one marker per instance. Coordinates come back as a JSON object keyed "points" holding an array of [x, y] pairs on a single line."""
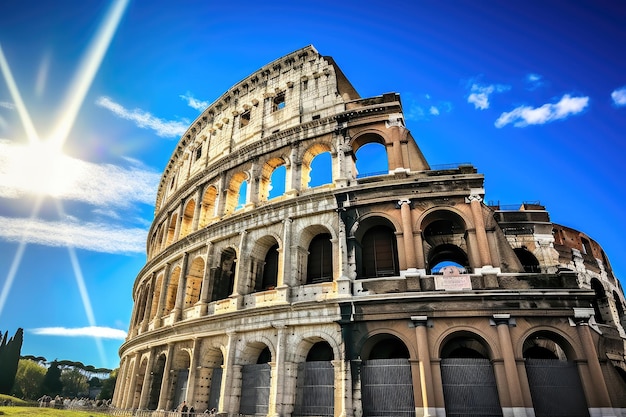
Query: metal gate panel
{"points": [[180, 392], [555, 388], [315, 390], [214, 390], [255, 389], [387, 388], [469, 388]]}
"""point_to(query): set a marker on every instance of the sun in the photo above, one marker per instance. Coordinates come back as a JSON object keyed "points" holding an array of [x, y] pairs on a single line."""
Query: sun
{"points": [[42, 169]]}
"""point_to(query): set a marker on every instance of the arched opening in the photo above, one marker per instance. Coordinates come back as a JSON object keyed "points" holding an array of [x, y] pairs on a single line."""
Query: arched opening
{"points": [[194, 282], [172, 289], [237, 193], [371, 160], [187, 220], [207, 209], [528, 260], [215, 371], [180, 365], [618, 306], [255, 384], [139, 384], [270, 269], [600, 302], [155, 382], [276, 186], [447, 255], [321, 172], [315, 384], [243, 196], [386, 380], [379, 254], [224, 275], [468, 379], [156, 296], [320, 260], [171, 230], [554, 382]]}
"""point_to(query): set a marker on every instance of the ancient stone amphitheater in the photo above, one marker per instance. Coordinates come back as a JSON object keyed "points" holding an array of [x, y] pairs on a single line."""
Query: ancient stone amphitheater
{"points": [[269, 292]]}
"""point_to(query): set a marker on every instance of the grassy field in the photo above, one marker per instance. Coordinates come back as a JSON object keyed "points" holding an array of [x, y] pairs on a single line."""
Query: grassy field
{"points": [[24, 408]]}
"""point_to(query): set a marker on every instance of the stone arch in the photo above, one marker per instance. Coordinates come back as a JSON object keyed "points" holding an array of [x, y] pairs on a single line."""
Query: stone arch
{"points": [[444, 233], [223, 276], [553, 378], [171, 229], [362, 144], [136, 390], [211, 372], [158, 288], [156, 381], [266, 263], [172, 289], [187, 218], [233, 191], [322, 254], [256, 376], [265, 180], [527, 259], [310, 338], [467, 375], [193, 281], [309, 155], [208, 206], [600, 302], [376, 249], [181, 363]]}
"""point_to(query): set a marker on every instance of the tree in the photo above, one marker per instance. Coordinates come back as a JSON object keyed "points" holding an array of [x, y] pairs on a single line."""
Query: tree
{"points": [[9, 358], [74, 383], [108, 386], [28, 379], [52, 384]]}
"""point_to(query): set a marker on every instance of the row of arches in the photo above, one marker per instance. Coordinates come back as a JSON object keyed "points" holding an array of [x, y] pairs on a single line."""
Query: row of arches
{"points": [[383, 378], [264, 181]]}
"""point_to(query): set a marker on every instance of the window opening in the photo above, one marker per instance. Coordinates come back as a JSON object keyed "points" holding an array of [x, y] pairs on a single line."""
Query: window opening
{"points": [[278, 102], [320, 261], [380, 258], [371, 159], [198, 153], [244, 119], [243, 195], [277, 182], [270, 272], [321, 170]]}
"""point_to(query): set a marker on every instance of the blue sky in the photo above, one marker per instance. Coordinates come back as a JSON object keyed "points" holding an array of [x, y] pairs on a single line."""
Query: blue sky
{"points": [[94, 96]]}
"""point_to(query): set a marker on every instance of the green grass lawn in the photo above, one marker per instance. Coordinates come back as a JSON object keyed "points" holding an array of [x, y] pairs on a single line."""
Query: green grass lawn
{"points": [[25, 408]]}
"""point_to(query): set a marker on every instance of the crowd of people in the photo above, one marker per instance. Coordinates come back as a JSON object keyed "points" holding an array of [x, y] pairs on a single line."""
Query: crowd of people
{"points": [[70, 403], [187, 411]]}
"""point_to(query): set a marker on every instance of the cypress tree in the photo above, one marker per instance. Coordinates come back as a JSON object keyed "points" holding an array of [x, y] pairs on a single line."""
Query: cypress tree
{"points": [[9, 358], [52, 384]]}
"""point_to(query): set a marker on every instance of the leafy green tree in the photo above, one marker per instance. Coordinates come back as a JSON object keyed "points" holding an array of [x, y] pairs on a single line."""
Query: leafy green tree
{"points": [[74, 383], [28, 379], [9, 358], [52, 384], [108, 386]]}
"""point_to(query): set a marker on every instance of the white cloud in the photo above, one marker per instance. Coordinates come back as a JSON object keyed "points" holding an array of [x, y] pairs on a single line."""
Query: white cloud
{"points": [[422, 107], [479, 95], [7, 105], [434, 111], [96, 237], [145, 120], [193, 102], [619, 96], [92, 331], [26, 170], [534, 81], [525, 115]]}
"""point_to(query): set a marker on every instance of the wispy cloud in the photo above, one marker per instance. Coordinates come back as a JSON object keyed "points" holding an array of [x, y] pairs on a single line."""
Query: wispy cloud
{"points": [[525, 115], [91, 331], [534, 81], [479, 94], [145, 120], [7, 105], [619, 96], [96, 237], [22, 172], [194, 102], [423, 107]]}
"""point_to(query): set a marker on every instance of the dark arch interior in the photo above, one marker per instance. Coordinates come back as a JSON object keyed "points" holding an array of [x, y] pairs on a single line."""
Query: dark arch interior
{"points": [[321, 351], [447, 254], [265, 356], [464, 347], [390, 348], [527, 259]]}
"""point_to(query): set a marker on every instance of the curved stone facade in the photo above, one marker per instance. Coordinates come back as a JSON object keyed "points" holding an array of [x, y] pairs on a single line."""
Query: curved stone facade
{"points": [[397, 293]]}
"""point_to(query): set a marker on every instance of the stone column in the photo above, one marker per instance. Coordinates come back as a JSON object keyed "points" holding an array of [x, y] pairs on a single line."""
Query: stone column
{"points": [[207, 285], [407, 233], [419, 250], [240, 268], [284, 267], [146, 384], [158, 318], [165, 383], [120, 387], [229, 392], [599, 400], [502, 322], [293, 184], [179, 222], [277, 385], [342, 403], [479, 223], [180, 291], [148, 307], [424, 363], [395, 157], [132, 386], [197, 209], [193, 365]]}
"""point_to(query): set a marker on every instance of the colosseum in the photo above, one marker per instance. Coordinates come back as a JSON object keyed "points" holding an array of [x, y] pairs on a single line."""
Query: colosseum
{"points": [[399, 292]]}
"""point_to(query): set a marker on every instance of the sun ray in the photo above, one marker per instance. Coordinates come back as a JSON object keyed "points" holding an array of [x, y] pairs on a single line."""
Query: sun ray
{"points": [[87, 71], [31, 133], [17, 259]]}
